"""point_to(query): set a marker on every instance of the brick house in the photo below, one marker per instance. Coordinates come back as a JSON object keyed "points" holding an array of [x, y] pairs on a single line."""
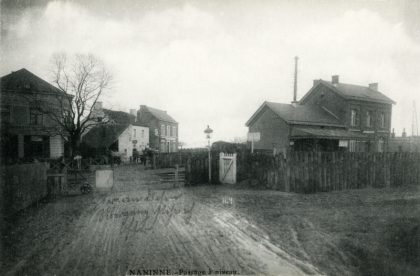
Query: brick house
{"points": [[332, 116], [163, 129], [27, 132], [121, 133]]}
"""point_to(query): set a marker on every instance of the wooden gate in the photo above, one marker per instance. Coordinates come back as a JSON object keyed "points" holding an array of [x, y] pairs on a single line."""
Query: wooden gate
{"points": [[227, 168]]}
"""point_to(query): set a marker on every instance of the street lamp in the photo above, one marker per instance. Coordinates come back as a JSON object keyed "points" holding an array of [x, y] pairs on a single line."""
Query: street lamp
{"points": [[208, 131]]}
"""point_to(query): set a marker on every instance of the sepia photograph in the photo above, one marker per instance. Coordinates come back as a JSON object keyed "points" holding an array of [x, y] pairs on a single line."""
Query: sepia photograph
{"points": [[209, 137]]}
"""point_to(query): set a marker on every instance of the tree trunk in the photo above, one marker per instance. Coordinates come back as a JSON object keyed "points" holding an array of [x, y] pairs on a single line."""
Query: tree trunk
{"points": [[74, 145]]}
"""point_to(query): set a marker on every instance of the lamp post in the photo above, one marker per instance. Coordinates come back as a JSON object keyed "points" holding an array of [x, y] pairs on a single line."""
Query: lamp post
{"points": [[208, 131]]}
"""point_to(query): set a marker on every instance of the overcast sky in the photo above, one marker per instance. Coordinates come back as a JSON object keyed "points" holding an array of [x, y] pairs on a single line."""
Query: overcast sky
{"points": [[215, 62]]}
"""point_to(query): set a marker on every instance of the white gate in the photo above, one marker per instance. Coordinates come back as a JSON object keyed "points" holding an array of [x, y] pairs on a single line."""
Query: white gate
{"points": [[227, 168]]}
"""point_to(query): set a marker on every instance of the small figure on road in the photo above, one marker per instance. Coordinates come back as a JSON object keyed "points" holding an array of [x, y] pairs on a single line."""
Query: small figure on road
{"points": [[78, 159], [135, 155]]}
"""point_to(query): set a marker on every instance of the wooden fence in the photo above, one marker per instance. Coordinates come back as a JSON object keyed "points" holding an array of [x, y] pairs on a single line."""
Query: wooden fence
{"points": [[170, 160], [23, 185], [197, 169], [308, 172]]}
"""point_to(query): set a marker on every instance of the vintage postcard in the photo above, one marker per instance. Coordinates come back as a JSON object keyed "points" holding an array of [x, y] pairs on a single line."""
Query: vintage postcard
{"points": [[210, 137]]}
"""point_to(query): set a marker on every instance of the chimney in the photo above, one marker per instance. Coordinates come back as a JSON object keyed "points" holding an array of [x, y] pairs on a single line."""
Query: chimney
{"points": [[134, 112], [295, 81], [373, 86], [316, 82], [334, 79], [98, 106], [404, 134]]}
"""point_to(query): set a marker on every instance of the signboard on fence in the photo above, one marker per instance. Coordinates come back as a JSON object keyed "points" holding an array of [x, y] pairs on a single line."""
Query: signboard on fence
{"points": [[254, 136], [343, 143]]}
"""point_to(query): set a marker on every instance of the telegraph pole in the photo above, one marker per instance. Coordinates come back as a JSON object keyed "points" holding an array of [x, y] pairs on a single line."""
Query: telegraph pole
{"points": [[295, 80], [414, 124]]}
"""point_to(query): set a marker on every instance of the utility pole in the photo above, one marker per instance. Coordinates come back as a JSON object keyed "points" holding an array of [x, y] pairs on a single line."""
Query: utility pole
{"points": [[414, 124], [295, 80]]}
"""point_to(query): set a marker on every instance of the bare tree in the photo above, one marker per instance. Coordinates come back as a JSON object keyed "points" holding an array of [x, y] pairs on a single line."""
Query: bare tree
{"points": [[81, 82]]}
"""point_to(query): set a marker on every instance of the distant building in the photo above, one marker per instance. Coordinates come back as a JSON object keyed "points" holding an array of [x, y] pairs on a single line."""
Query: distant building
{"points": [[404, 144], [121, 133], [332, 116], [163, 129], [26, 132]]}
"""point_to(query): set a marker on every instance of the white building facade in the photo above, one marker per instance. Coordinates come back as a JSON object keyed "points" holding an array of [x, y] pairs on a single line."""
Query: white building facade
{"points": [[133, 137]]}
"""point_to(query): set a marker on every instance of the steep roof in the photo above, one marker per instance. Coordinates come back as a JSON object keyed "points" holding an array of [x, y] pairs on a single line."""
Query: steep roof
{"points": [[353, 92], [23, 81], [103, 136], [299, 114], [159, 114], [119, 117]]}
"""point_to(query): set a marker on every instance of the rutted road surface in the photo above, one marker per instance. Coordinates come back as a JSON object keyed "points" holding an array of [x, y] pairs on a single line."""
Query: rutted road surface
{"points": [[142, 225]]}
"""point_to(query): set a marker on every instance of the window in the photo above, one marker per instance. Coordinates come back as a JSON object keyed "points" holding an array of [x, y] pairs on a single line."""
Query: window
{"points": [[168, 130], [142, 133], [174, 131], [381, 143], [20, 115], [36, 146], [369, 118], [354, 120], [352, 145], [382, 120], [35, 117], [5, 114], [162, 130], [135, 133]]}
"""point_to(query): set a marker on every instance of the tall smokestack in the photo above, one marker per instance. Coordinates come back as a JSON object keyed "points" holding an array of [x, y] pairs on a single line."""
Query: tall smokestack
{"points": [[295, 80]]}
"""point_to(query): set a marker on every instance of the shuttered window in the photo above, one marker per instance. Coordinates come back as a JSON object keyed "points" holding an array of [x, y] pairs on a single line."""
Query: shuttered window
{"points": [[5, 114]]}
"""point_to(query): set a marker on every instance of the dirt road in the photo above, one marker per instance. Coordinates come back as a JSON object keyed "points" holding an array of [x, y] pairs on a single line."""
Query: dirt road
{"points": [[143, 225]]}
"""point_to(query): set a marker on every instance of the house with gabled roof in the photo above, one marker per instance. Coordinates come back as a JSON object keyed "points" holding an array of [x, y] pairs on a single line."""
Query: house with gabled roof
{"points": [[332, 116], [121, 133], [28, 133], [163, 129]]}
